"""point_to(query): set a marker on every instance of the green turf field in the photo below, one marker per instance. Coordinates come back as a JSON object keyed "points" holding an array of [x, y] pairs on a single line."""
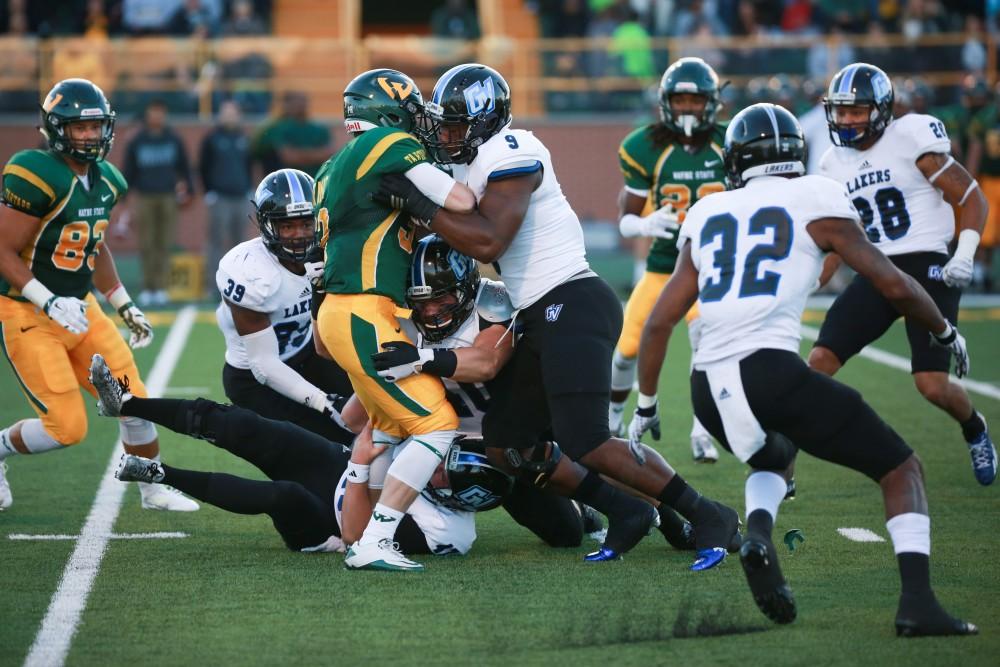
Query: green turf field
{"points": [[231, 594]]}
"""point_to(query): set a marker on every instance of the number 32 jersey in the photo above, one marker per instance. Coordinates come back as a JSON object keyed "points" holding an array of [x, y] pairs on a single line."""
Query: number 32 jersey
{"points": [[251, 277], [756, 261], [902, 212]]}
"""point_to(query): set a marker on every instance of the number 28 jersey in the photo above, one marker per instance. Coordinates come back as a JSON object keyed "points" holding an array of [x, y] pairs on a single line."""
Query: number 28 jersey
{"points": [[251, 277], [902, 212], [756, 261]]}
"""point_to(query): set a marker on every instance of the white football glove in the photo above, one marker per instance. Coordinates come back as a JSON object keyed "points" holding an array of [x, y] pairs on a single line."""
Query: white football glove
{"points": [[140, 330], [958, 271], [663, 223], [955, 342], [644, 419], [69, 312]]}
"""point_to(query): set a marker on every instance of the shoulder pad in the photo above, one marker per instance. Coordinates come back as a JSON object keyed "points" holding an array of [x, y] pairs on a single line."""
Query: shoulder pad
{"points": [[249, 266], [493, 303], [114, 179], [43, 172]]}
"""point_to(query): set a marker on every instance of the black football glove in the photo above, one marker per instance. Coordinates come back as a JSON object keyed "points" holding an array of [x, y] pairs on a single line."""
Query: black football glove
{"points": [[397, 191]]}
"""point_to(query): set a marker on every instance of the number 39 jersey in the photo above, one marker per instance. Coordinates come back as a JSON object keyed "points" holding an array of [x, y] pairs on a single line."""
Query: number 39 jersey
{"points": [[902, 212], [757, 262], [73, 217], [251, 277]]}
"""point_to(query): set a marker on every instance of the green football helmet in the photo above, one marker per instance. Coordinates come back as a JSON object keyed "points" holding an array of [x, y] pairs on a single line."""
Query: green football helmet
{"points": [[695, 76], [71, 101], [383, 98]]}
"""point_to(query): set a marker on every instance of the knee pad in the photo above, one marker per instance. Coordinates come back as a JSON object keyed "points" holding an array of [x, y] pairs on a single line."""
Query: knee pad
{"points": [[421, 455], [539, 466], [136, 431], [622, 372], [776, 454]]}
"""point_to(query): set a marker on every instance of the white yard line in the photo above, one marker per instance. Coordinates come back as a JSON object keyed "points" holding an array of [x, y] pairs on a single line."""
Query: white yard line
{"points": [[903, 364], [860, 535], [112, 536], [55, 635]]}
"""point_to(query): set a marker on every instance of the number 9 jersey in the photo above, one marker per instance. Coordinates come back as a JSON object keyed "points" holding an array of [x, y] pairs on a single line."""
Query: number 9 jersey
{"points": [[74, 216], [756, 261], [902, 212]]}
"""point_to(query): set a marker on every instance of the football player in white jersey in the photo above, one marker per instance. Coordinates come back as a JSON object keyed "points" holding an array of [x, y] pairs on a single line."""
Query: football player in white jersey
{"points": [[271, 364], [751, 256], [904, 183], [559, 377]]}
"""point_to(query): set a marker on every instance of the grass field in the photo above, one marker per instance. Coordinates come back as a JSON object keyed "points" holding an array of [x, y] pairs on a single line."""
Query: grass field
{"points": [[230, 593]]}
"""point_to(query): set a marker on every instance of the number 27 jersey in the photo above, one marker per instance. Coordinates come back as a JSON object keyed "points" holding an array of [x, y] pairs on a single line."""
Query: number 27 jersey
{"points": [[902, 212], [757, 262]]}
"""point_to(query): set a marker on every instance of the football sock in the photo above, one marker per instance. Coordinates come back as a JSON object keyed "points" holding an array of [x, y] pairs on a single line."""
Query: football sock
{"points": [[760, 523], [382, 524], [606, 499], [688, 502], [698, 430], [911, 539], [6, 446], [36, 438], [616, 411], [914, 573], [973, 427], [672, 527], [622, 372], [764, 491]]}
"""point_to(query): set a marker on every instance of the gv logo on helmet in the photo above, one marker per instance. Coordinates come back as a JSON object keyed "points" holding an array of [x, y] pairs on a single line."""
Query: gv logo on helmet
{"points": [[476, 496], [480, 96], [398, 89]]}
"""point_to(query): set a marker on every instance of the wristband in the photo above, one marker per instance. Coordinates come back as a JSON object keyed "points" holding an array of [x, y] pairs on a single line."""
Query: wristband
{"points": [[946, 337], [629, 225], [357, 473], [118, 297], [443, 364], [968, 241], [645, 402], [37, 293]]}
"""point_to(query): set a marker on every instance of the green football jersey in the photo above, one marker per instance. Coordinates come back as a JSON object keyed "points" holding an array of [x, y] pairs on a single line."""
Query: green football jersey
{"points": [[985, 126], [670, 175], [73, 218], [956, 120], [368, 244]]}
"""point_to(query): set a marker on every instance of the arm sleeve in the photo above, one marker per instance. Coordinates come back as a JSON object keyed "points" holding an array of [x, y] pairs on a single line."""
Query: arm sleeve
{"points": [[433, 182], [268, 368]]}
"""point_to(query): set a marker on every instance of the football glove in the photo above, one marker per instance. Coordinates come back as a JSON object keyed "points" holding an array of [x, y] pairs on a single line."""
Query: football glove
{"points": [[314, 265], [958, 271], [398, 191], [400, 360], [140, 330], [663, 223], [955, 342], [333, 407], [69, 312], [644, 419]]}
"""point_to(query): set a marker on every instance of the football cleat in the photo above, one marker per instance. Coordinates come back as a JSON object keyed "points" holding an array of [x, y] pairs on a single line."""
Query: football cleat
{"points": [[592, 521], [790, 491], [923, 617], [768, 586], [625, 533], [382, 555], [616, 413], [133, 468], [166, 498], [601, 555], [703, 449], [984, 457], [111, 393], [6, 498], [707, 559]]}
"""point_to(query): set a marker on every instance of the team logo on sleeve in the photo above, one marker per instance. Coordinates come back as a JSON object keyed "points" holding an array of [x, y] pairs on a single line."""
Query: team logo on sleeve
{"points": [[552, 312], [480, 96]]}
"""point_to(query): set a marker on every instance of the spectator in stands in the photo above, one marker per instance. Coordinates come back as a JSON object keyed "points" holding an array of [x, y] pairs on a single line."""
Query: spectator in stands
{"points": [[193, 17], [850, 16], [159, 178], [292, 139], [693, 14], [922, 17], [818, 62], [974, 49], [224, 165], [243, 21], [704, 45], [630, 42], [148, 17], [564, 18], [455, 20]]}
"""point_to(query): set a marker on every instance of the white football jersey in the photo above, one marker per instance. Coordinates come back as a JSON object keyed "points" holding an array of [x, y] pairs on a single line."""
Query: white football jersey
{"points": [[756, 262], [447, 531], [548, 249], [470, 399], [251, 277], [901, 210]]}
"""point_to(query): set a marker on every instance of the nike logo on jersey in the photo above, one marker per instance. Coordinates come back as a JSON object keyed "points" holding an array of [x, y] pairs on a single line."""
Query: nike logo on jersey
{"points": [[868, 178], [23, 329], [105, 197], [712, 163]]}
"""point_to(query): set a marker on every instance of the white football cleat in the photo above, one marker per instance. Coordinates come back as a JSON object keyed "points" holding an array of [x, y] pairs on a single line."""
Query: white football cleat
{"points": [[703, 449], [167, 498], [6, 499], [381, 555]]}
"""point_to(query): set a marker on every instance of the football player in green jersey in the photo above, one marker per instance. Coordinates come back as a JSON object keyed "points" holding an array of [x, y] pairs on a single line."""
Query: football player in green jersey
{"points": [[667, 167], [56, 208], [368, 245]]}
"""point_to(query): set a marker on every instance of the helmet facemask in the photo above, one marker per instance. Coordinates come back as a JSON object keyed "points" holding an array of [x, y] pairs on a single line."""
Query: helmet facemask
{"points": [[686, 123], [59, 133], [455, 138]]}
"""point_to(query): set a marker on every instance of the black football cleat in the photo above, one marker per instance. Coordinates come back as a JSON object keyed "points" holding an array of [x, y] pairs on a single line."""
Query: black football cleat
{"points": [[790, 490], [592, 522], [924, 617], [768, 586], [624, 533], [718, 531]]}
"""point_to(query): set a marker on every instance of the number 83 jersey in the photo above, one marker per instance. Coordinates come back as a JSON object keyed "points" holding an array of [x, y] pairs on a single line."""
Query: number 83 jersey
{"points": [[902, 212], [757, 262], [73, 217]]}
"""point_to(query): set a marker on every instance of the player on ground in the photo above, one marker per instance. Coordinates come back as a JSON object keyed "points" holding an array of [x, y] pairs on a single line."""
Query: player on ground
{"points": [[667, 166], [312, 481], [56, 208], [903, 182], [367, 262], [559, 377], [271, 363], [751, 256]]}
